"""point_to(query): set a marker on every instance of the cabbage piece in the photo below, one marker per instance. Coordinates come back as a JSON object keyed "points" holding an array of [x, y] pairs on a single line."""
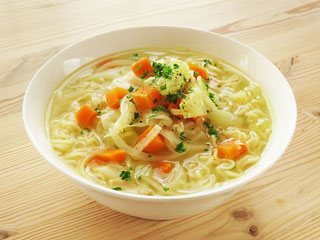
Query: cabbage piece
{"points": [[198, 103], [180, 75], [195, 103]]}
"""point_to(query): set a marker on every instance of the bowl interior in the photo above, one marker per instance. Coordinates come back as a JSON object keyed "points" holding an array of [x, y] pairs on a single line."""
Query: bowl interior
{"points": [[248, 60]]}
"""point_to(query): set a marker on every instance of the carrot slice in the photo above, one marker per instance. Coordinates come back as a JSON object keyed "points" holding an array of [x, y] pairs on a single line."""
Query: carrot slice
{"points": [[232, 148], [146, 98], [198, 119], [110, 155], [155, 145], [86, 116], [175, 106], [198, 70], [114, 96], [142, 68], [165, 167]]}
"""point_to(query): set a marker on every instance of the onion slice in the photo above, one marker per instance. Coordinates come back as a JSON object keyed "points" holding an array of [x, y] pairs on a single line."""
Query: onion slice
{"points": [[150, 136]]}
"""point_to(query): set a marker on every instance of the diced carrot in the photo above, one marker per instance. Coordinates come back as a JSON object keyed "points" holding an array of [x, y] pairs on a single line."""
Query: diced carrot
{"points": [[142, 68], [165, 167], [155, 145], [146, 98], [175, 106], [196, 119], [86, 116], [99, 64], [232, 148], [110, 155], [200, 71], [114, 96]]}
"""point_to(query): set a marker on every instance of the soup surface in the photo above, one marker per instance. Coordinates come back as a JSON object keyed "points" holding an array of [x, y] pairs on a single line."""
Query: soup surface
{"points": [[159, 121]]}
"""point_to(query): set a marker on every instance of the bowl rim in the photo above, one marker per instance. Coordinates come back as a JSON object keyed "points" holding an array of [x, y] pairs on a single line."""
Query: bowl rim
{"points": [[119, 194]]}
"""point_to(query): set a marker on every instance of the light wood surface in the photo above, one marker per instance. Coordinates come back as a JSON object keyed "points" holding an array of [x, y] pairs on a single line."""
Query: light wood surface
{"points": [[36, 202]]}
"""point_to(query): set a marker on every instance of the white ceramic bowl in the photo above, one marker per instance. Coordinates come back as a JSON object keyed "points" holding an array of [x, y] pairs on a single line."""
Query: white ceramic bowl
{"points": [[234, 52]]}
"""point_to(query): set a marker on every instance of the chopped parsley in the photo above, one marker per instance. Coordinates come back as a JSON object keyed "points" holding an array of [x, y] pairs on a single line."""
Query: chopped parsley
{"points": [[173, 98], [159, 108], [139, 67], [212, 130], [196, 74], [98, 111], [152, 116], [117, 188], [162, 70], [190, 90], [180, 148], [165, 189], [163, 87], [131, 89], [125, 176], [156, 100], [149, 155], [144, 75], [135, 56], [82, 133], [211, 96], [139, 178], [206, 62], [175, 66], [205, 83], [136, 115], [184, 138], [87, 129]]}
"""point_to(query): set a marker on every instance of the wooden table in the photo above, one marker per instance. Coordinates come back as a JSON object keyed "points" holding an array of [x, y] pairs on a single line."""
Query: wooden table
{"points": [[37, 202]]}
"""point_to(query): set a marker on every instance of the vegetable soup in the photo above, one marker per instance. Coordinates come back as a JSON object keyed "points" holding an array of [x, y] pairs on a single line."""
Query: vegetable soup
{"points": [[159, 121]]}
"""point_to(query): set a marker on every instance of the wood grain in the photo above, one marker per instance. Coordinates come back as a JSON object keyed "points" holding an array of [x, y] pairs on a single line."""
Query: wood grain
{"points": [[36, 202]]}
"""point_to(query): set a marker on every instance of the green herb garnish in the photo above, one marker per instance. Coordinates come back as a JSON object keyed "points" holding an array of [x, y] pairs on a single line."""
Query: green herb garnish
{"points": [[135, 56], [190, 90], [180, 148], [159, 108], [149, 155], [206, 62], [175, 66], [165, 189], [184, 138], [156, 100], [174, 97], [136, 115], [81, 133], [162, 70], [163, 87], [152, 116], [139, 67], [144, 75], [211, 96], [117, 188], [125, 176], [205, 83], [196, 74], [98, 111], [87, 129], [212, 130], [139, 178], [131, 89]]}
